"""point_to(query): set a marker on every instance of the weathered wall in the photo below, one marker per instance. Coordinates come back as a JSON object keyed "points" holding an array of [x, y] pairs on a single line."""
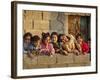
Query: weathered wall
{"points": [[37, 22], [57, 60], [74, 24]]}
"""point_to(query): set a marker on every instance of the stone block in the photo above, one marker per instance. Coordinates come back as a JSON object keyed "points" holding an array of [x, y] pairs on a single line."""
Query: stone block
{"points": [[82, 58], [57, 65], [39, 66], [43, 59], [41, 24], [46, 15], [61, 59], [75, 64], [28, 23], [27, 14], [28, 62], [35, 15]]}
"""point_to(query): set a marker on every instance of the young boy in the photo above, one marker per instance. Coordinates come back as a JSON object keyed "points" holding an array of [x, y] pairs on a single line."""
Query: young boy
{"points": [[36, 44]]}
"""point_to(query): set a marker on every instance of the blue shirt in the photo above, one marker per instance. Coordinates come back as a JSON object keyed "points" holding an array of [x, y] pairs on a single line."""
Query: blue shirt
{"points": [[27, 48]]}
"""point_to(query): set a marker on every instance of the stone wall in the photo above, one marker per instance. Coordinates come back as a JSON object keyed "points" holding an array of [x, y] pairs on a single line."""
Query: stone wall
{"points": [[37, 22], [58, 60]]}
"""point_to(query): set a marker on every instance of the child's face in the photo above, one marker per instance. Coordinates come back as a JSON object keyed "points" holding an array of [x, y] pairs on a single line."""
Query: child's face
{"points": [[37, 43], [27, 39], [67, 39], [64, 38], [79, 39], [47, 40], [54, 38]]}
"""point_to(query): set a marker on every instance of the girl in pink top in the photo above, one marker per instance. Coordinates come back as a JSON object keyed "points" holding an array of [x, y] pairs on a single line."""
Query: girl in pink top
{"points": [[46, 46]]}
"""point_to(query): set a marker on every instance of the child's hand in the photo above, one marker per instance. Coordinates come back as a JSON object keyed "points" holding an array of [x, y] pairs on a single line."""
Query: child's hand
{"points": [[30, 55], [84, 53], [57, 50], [65, 52]]}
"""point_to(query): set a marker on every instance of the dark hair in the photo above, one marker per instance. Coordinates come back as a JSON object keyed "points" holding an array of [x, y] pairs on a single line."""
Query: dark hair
{"points": [[78, 35], [89, 39], [45, 35], [59, 40], [35, 38], [68, 37], [27, 34], [54, 33]]}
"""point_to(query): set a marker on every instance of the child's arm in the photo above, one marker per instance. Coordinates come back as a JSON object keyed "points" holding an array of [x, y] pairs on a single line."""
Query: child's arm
{"points": [[52, 50], [73, 45], [29, 53], [43, 50], [67, 48], [78, 47]]}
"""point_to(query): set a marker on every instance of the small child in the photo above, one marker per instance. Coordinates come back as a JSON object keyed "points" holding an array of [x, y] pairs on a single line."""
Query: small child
{"points": [[54, 41], [82, 45], [36, 44], [27, 46], [72, 44], [46, 46], [63, 44], [68, 45]]}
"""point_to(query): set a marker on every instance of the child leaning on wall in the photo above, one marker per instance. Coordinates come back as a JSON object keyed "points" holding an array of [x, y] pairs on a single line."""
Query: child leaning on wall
{"points": [[82, 46], [68, 45], [54, 41], [27, 46], [46, 46], [36, 44]]}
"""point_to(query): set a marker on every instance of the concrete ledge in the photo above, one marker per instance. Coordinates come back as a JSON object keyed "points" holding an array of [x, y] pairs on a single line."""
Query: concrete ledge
{"points": [[82, 58], [64, 59], [78, 64], [57, 65], [28, 62], [46, 59], [57, 60]]}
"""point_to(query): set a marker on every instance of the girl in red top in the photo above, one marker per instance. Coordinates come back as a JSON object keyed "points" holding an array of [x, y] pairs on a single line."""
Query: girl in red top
{"points": [[82, 45]]}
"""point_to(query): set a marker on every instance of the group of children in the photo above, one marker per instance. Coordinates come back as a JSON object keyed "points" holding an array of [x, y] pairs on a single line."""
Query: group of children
{"points": [[54, 44]]}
